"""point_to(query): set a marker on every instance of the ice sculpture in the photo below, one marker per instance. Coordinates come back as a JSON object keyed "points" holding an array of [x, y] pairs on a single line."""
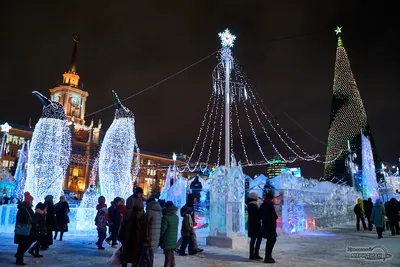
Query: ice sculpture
{"points": [[86, 212], [20, 173], [227, 202], [167, 185], [308, 204], [369, 183]]}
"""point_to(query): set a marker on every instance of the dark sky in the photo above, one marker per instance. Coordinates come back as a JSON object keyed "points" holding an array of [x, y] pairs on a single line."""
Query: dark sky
{"points": [[287, 50]]}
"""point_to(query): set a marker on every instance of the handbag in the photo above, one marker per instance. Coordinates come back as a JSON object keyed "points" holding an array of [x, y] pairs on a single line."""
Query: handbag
{"points": [[23, 229]]}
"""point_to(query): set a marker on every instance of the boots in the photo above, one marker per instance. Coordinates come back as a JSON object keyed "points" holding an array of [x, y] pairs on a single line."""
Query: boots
{"points": [[257, 255], [19, 259], [35, 252], [251, 256], [269, 259]]}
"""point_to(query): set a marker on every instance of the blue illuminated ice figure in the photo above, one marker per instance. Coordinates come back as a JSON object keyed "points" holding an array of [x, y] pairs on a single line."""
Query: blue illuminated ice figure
{"points": [[370, 185], [167, 185], [20, 173]]}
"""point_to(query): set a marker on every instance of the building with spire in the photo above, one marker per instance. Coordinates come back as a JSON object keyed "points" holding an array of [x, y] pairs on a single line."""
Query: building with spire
{"points": [[85, 138], [348, 120]]}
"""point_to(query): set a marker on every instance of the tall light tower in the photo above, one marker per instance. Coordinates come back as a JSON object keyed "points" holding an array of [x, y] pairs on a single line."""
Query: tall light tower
{"points": [[227, 40]]}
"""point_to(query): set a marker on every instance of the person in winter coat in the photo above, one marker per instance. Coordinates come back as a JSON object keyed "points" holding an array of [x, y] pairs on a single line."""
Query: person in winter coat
{"points": [[359, 211], [24, 220], [378, 212], [368, 205], [169, 232], [254, 226], [268, 217], [187, 233], [137, 196], [39, 222], [122, 208], [191, 200], [62, 219], [392, 213], [114, 221], [133, 235], [48, 239], [153, 216], [101, 221]]}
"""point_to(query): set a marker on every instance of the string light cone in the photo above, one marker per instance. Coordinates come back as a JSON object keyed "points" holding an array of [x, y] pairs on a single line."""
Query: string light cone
{"points": [[49, 152], [348, 117], [116, 155]]}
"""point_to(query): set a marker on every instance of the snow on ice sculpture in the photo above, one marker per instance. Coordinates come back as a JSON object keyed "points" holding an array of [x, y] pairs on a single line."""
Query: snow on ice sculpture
{"points": [[116, 154], [227, 202], [49, 152], [370, 185]]}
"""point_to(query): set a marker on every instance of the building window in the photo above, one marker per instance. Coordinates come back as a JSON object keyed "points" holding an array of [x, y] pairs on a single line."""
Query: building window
{"points": [[5, 163], [11, 164], [148, 171], [148, 162], [19, 152]]}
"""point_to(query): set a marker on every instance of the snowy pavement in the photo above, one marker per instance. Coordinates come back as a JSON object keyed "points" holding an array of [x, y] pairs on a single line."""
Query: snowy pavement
{"points": [[319, 248]]}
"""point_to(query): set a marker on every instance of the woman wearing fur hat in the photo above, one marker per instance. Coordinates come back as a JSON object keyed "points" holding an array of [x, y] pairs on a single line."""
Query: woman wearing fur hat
{"points": [[254, 226], [23, 228]]}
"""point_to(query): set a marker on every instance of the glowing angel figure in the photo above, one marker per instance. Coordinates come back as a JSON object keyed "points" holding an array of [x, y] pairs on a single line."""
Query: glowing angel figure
{"points": [[49, 152], [116, 154]]}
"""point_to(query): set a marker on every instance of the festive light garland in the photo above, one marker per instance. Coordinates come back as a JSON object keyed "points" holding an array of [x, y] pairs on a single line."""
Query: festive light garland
{"points": [[49, 152], [116, 155], [348, 116], [214, 127]]}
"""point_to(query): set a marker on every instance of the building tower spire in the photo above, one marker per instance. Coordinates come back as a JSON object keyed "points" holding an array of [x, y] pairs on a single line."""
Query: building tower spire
{"points": [[71, 77], [72, 66]]}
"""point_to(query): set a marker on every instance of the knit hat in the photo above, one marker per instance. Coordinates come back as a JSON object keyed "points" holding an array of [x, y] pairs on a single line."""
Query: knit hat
{"points": [[27, 197], [40, 206], [253, 195]]}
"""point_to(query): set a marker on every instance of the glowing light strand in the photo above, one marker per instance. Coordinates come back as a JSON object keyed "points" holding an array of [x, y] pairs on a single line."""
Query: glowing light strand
{"points": [[213, 130], [240, 132], [198, 136], [221, 126]]}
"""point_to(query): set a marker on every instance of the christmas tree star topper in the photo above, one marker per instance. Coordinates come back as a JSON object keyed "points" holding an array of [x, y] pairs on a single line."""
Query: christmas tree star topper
{"points": [[227, 38], [338, 30]]}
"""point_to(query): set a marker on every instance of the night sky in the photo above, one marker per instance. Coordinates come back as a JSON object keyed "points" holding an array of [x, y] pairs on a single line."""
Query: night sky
{"points": [[286, 49]]}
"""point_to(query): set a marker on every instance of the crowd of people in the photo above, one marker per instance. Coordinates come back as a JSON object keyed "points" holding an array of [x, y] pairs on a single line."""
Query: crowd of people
{"points": [[141, 231], [37, 227], [378, 215]]}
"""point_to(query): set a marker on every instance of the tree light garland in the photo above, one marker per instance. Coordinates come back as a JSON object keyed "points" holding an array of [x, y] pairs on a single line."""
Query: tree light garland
{"points": [[116, 155], [49, 152]]}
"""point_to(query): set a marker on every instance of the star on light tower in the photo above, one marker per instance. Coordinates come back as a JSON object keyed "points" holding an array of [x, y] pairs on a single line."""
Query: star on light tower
{"points": [[227, 40], [5, 128]]}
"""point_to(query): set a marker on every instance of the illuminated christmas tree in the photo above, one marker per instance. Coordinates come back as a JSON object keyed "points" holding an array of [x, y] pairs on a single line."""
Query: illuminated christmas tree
{"points": [[348, 119]]}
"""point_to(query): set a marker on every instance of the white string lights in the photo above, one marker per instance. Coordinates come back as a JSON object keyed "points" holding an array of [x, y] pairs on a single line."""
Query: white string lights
{"points": [[49, 152], [116, 155]]}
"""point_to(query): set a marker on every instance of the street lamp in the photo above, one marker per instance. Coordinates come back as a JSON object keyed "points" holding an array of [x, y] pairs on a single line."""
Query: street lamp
{"points": [[5, 128]]}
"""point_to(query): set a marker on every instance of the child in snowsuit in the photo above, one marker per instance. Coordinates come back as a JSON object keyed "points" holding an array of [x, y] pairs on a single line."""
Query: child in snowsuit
{"points": [[187, 233], [169, 232], [101, 222]]}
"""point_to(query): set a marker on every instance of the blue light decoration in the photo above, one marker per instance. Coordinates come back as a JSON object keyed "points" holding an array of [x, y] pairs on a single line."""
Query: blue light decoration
{"points": [[294, 171], [21, 171], [369, 185], [49, 152], [116, 155]]}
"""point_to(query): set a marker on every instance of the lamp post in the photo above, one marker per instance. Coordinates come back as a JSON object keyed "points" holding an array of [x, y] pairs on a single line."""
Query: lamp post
{"points": [[5, 128], [174, 159], [227, 40]]}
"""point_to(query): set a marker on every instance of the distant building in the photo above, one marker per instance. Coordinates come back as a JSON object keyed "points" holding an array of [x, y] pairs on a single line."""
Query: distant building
{"points": [[13, 141], [275, 167]]}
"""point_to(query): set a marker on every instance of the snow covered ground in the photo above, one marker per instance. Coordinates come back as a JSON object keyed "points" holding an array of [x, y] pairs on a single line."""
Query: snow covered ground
{"points": [[319, 248]]}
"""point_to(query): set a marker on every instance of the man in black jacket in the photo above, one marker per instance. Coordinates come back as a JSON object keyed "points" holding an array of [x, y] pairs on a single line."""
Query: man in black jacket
{"points": [[114, 221], [268, 218], [137, 196]]}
